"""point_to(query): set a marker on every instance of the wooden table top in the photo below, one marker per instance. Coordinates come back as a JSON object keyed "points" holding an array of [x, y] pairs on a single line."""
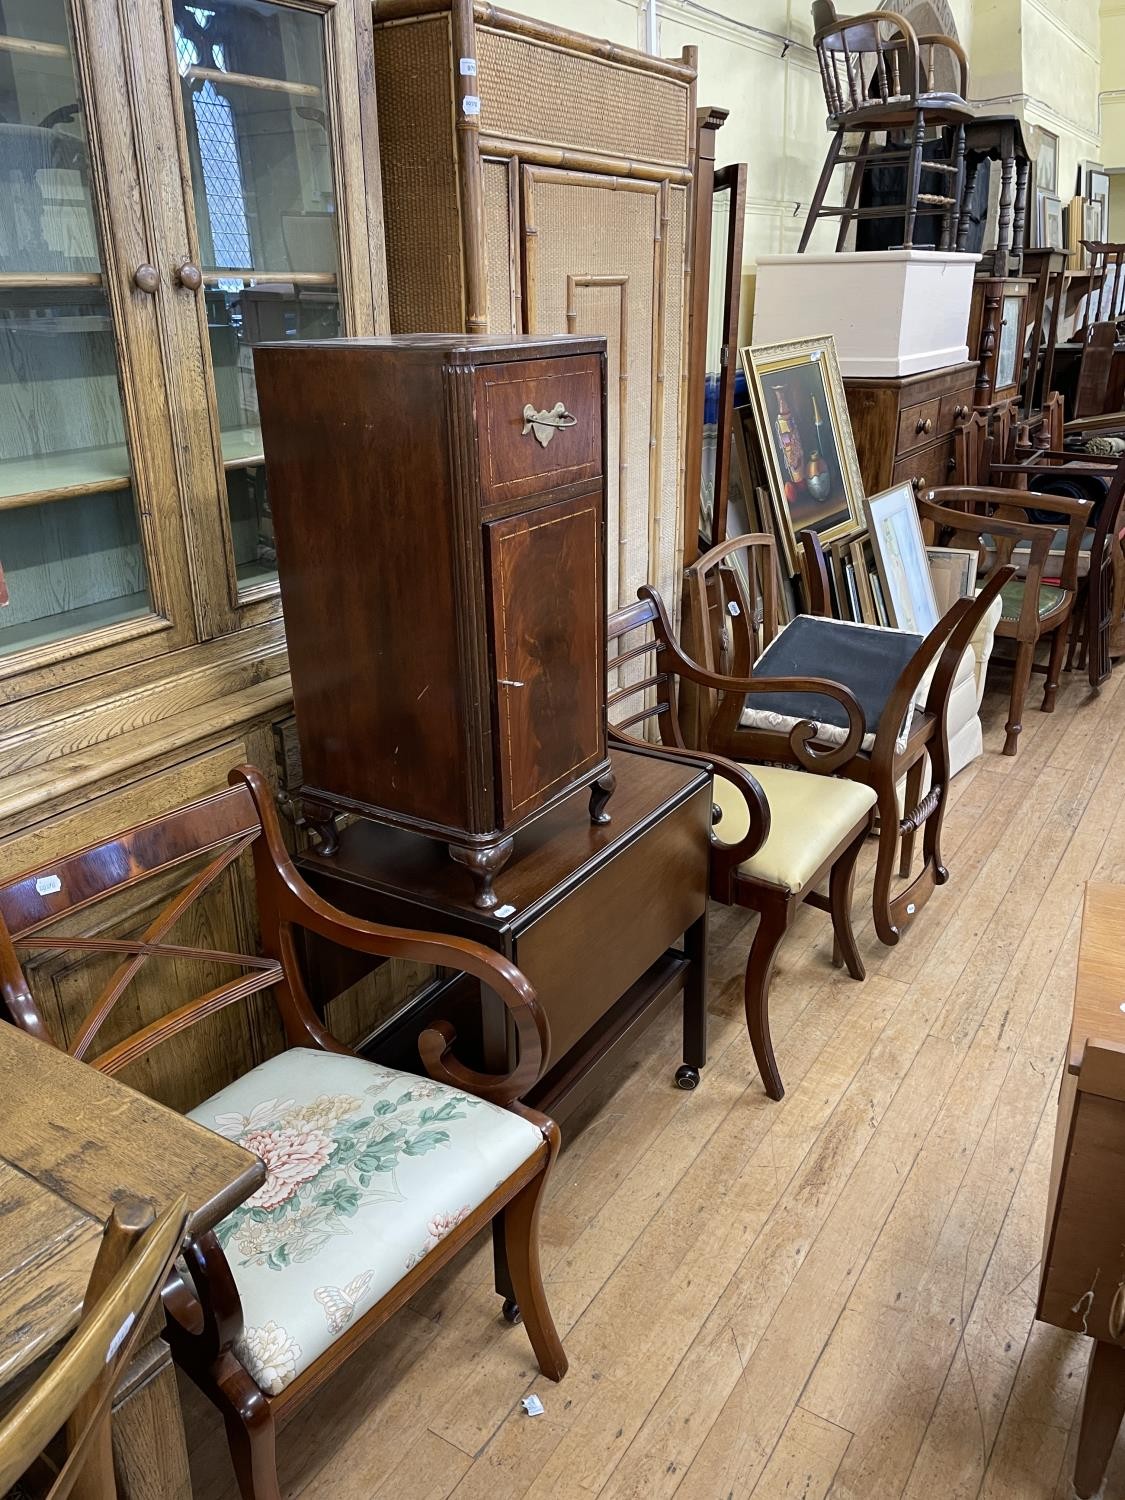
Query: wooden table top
{"points": [[1099, 996], [72, 1143], [550, 854]]}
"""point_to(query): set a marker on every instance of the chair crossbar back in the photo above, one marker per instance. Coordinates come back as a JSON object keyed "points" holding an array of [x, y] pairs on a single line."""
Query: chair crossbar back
{"points": [[216, 830]]}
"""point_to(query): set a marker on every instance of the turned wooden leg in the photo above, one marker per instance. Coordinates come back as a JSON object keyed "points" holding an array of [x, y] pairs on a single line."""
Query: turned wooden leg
{"points": [[249, 1422], [483, 865], [520, 1219], [772, 927], [834, 147], [1021, 676], [1101, 1416], [914, 179], [600, 793], [854, 186], [954, 219], [968, 188], [913, 797], [1054, 667], [840, 884]]}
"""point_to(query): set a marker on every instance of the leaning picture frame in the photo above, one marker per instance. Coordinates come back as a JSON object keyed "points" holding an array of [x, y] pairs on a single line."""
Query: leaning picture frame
{"points": [[901, 559], [1050, 214], [953, 572], [805, 435]]}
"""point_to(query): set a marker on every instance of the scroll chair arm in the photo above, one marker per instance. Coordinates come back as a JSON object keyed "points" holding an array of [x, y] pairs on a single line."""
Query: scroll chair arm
{"points": [[803, 734], [205, 1318], [724, 856], [286, 901]]}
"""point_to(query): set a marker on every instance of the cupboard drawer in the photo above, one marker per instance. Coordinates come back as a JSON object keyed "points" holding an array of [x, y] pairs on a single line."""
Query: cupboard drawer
{"points": [[515, 462], [918, 425], [927, 468], [955, 407]]}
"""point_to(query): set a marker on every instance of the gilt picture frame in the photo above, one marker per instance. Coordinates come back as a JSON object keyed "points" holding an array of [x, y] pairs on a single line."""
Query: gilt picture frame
{"points": [[805, 435]]}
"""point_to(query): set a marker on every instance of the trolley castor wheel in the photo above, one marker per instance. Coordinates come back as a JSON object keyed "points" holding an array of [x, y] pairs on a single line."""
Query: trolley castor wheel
{"points": [[687, 1078], [511, 1311]]}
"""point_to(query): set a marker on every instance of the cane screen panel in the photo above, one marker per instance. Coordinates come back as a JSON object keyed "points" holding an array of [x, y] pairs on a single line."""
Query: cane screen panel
{"points": [[495, 184], [669, 546], [594, 244], [418, 153], [531, 91]]}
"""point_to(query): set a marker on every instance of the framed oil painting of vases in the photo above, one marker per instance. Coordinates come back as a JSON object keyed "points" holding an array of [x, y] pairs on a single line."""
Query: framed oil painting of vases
{"points": [[806, 440]]}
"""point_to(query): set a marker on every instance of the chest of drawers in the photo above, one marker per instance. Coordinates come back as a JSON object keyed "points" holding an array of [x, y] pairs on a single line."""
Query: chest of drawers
{"points": [[439, 509], [903, 425]]}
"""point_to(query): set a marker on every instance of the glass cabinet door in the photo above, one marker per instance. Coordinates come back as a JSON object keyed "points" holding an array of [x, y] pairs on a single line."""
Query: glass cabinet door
{"points": [[259, 127], [71, 550]]}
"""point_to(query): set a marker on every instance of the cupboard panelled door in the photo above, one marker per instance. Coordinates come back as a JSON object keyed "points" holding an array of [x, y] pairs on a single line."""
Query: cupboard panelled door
{"points": [[547, 613], [91, 553], [605, 255]]}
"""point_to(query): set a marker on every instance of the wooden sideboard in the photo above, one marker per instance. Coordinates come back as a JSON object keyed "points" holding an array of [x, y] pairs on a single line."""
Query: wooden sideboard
{"points": [[1082, 1277], [74, 1143], [903, 425]]}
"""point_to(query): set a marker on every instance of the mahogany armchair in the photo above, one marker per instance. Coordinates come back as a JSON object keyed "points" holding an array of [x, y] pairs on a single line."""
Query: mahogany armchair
{"points": [[77, 1388], [779, 833], [375, 1177], [900, 738]]}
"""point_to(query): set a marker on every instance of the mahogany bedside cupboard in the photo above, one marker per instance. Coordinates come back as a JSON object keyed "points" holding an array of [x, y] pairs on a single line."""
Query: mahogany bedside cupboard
{"points": [[439, 512], [1082, 1280]]}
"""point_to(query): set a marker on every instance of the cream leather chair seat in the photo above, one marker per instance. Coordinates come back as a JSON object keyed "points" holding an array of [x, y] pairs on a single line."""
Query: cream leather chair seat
{"points": [[809, 815]]}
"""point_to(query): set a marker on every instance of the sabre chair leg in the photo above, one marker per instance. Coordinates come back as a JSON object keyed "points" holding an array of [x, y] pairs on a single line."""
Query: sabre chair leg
{"points": [[521, 1245], [773, 923], [834, 148], [885, 927], [840, 886]]}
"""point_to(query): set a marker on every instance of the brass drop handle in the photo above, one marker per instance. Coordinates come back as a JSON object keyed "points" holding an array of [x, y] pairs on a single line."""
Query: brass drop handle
{"points": [[544, 424], [146, 279], [925, 424], [190, 277]]}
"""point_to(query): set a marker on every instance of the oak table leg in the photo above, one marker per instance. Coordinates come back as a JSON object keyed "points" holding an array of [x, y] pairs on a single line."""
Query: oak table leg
{"points": [[1101, 1416]]}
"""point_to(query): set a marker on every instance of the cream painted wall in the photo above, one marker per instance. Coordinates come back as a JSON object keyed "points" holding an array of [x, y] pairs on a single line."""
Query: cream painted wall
{"points": [[756, 60], [1113, 97]]}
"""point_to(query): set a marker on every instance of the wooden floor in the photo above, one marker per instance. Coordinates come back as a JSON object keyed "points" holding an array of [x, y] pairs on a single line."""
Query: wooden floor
{"points": [[830, 1296]]}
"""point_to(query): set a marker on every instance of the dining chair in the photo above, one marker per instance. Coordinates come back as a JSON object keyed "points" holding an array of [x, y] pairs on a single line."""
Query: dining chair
{"points": [[376, 1177], [778, 834], [74, 1394], [887, 672]]}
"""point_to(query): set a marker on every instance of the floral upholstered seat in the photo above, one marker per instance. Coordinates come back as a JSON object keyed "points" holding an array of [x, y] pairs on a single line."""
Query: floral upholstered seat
{"points": [[367, 1169]]}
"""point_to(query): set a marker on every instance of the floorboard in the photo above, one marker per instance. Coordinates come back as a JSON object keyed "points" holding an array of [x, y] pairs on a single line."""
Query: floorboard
{"points": [[829, 1298]]}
